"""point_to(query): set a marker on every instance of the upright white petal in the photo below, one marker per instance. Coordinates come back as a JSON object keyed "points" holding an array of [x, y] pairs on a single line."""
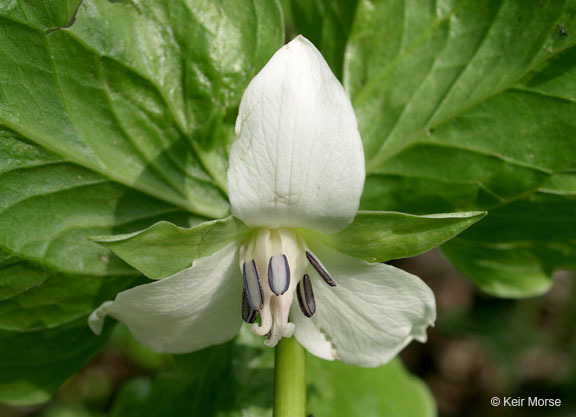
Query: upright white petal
{"points": [[372, 314], [298, 159], [195, 308]]}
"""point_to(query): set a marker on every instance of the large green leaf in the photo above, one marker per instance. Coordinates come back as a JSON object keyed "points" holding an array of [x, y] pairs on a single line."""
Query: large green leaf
{"points": [[340, 390], [237, 379], [535, 235], [137, 92], [113, 116], [43, 331], [49, 208], [467, 105], [51, 275]]}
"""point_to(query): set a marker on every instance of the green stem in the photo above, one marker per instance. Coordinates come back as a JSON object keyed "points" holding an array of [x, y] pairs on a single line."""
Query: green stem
{"points": [[290, 379]]}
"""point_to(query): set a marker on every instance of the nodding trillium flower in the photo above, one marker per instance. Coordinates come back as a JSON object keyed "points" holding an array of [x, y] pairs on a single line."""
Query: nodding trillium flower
{"points": [[295, 179]]}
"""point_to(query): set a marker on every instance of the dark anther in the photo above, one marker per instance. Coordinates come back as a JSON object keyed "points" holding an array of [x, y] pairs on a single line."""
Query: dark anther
{"points": [[248, 315], [252, 285], [321, 269], [306, 296]]}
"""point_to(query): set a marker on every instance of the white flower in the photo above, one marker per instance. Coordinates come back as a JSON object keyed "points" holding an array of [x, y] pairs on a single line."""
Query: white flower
{"points": [[296, 166]]}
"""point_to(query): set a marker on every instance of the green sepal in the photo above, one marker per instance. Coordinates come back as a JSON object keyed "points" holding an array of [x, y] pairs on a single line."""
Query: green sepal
{"points": [[379, 236], [164, 248]]}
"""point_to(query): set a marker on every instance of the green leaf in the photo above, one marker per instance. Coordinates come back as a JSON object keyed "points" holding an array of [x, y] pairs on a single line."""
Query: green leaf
{"points": [[49, 207], [137, 92], [57, 13], [43, 330], [464, 106], [327, 24], [35, 364], [35, 298], [230, 380], [436, 61], [51, 275], [113, 116], [236, 379], [535, 236], [165, 249], [340, 390], [379, 236]]}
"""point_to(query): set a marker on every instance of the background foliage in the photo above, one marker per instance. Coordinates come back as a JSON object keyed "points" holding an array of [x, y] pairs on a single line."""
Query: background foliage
{"points": [[117, 114]]}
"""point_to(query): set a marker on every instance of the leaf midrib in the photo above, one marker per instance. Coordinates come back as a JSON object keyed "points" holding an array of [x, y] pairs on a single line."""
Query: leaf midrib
{"points": [[372, 165], [93, 166]]}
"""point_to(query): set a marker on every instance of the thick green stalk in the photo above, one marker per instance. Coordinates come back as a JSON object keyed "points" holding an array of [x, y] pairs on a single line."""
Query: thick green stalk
{"points": [[290, 379]]}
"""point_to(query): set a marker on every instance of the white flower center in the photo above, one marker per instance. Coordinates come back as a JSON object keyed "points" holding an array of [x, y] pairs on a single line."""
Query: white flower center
{"points": [[273, 264]]}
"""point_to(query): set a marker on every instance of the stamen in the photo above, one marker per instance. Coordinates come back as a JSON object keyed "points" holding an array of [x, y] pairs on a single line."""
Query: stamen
{"points": [[252, 285], [320, 268], [248, 315], [279, 274], [306, 296]]}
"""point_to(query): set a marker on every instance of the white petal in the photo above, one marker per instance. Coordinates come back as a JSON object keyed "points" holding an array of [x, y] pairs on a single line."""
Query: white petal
{"points": [[372, 314], [309, 336], [195, 308], [298, 159]]}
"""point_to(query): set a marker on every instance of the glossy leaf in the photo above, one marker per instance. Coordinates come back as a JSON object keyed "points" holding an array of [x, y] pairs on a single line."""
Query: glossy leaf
{"points": [[113, 116], [49, 208], [463, 106], [149, 80]]}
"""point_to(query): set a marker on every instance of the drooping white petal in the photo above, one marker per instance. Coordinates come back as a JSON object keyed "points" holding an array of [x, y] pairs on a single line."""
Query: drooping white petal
{"points": [[310, 336], [298, 159], [195, 308], [374, 311]]}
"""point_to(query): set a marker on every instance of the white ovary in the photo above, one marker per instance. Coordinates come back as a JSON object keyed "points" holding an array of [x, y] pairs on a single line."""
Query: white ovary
{"points": [[280, 260]]}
